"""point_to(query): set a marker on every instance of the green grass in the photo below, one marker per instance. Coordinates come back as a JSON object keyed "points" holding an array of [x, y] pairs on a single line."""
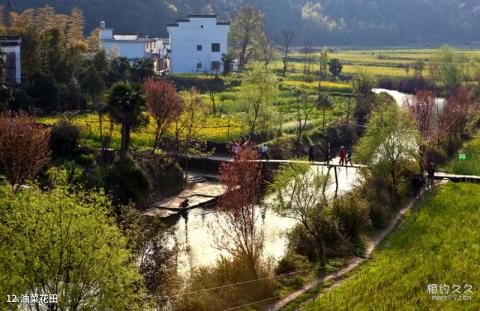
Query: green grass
{"points": [[470, 166], [439, 244]]}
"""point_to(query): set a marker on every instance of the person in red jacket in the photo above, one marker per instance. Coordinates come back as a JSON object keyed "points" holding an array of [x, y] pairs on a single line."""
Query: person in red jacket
{"points": [[342, 154]]}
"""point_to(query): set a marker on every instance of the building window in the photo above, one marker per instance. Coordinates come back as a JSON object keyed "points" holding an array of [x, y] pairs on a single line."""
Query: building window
{"points": [[215, 47], [216, 65], [199, 65], [199, 47]]}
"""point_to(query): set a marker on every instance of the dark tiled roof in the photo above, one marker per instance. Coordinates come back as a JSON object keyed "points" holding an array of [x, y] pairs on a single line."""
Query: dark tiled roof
{"points": [[202, 16], [223, 23]]}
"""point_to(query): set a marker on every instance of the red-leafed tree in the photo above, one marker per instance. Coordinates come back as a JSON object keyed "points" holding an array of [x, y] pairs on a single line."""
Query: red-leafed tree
{"points": [[422, 107], [165, 105], [24, 147], [455, 115], [242, 179]]}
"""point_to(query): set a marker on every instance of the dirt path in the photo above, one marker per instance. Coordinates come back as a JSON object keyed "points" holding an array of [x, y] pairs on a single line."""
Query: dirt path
{"points": [[351, 264]]}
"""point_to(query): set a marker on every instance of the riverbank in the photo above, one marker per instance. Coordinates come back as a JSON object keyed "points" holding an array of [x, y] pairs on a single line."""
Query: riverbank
{"points": [[437, 246], [290, 302]]}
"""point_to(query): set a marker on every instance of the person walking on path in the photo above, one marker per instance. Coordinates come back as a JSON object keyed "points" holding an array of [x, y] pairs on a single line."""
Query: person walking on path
{"points": [[342, 154], [311, 152], [265, 152], [417, 183], [349, 157], [431, 176], [246, 143], [328, 153], [236, 149]]}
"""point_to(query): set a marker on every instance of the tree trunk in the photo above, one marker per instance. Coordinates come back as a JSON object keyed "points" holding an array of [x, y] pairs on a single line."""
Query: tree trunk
{"points": [[321, 251], [323, 120], [125, 141]]}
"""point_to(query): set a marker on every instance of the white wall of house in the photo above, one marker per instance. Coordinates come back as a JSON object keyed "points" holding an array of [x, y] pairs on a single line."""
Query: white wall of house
{"points": [[128, 49], [8, 52], [197, 44], [129, 46]]}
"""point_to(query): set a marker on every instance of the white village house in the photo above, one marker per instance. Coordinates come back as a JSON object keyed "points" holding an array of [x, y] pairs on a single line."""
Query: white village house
{"points": [[134, 46], [198, 44], [11, 53], [129, 46]]}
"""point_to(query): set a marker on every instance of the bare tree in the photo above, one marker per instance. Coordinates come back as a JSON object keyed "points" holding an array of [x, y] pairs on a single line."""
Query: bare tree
{"points": [[422, 106], [24, 147], [304, 107], [266, 49], [307, 57], [246, 29], [188, 128], [286, 41]]}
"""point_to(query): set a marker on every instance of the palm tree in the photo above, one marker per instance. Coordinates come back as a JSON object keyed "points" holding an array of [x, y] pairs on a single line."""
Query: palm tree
{"points": [[335, 67], [125, 103]]}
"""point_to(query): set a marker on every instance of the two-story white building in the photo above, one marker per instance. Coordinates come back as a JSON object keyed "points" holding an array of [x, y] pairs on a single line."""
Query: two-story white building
{"points": [[197, 44], [129, 46], [11, 53]]}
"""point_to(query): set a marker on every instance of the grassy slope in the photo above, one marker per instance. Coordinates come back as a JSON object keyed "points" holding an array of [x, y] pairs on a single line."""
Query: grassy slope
{"points": [[471, 166], [439, 244]]}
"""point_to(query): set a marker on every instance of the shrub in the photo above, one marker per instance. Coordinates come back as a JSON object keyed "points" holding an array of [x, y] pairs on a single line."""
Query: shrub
{"points": [[44, 90], [99, 273], [128, 182], [226, 271], [64, 138], [302, 242], [86, 159], [406, 85], [291, 262], [353, 213], [165, 179], [20, 101]]}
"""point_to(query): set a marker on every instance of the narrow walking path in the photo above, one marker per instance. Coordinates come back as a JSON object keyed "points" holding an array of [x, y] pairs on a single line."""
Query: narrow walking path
{"points": [[351, 264]]}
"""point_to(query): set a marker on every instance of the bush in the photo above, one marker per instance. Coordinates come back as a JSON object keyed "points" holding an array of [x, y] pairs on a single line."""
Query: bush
{"points": [[20, 101], [127, 182], [406, 85], [165, 179], [302, 242], [64, 138], [353, 213], [374, 191], [43, 89], [98, 260], [226, 271], [86, 159], [292, 262]]}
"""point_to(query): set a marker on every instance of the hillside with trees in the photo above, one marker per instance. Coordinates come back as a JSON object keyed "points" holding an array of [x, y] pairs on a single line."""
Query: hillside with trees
{"points": [[332, 22]]}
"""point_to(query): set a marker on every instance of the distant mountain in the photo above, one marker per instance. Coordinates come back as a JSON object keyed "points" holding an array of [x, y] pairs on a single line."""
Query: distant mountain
{"points": [[324, 22]]}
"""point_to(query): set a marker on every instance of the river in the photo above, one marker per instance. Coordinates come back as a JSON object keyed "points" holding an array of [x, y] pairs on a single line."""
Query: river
{"points": [[195, 232], [402, 98]]}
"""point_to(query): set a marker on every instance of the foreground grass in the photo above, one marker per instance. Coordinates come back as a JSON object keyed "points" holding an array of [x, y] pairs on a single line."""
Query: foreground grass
{"points": [[470, 166], [439, 244]]}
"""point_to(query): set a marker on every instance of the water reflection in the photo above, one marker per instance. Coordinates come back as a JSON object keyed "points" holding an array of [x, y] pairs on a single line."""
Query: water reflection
{"points": [[196, 231]]}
